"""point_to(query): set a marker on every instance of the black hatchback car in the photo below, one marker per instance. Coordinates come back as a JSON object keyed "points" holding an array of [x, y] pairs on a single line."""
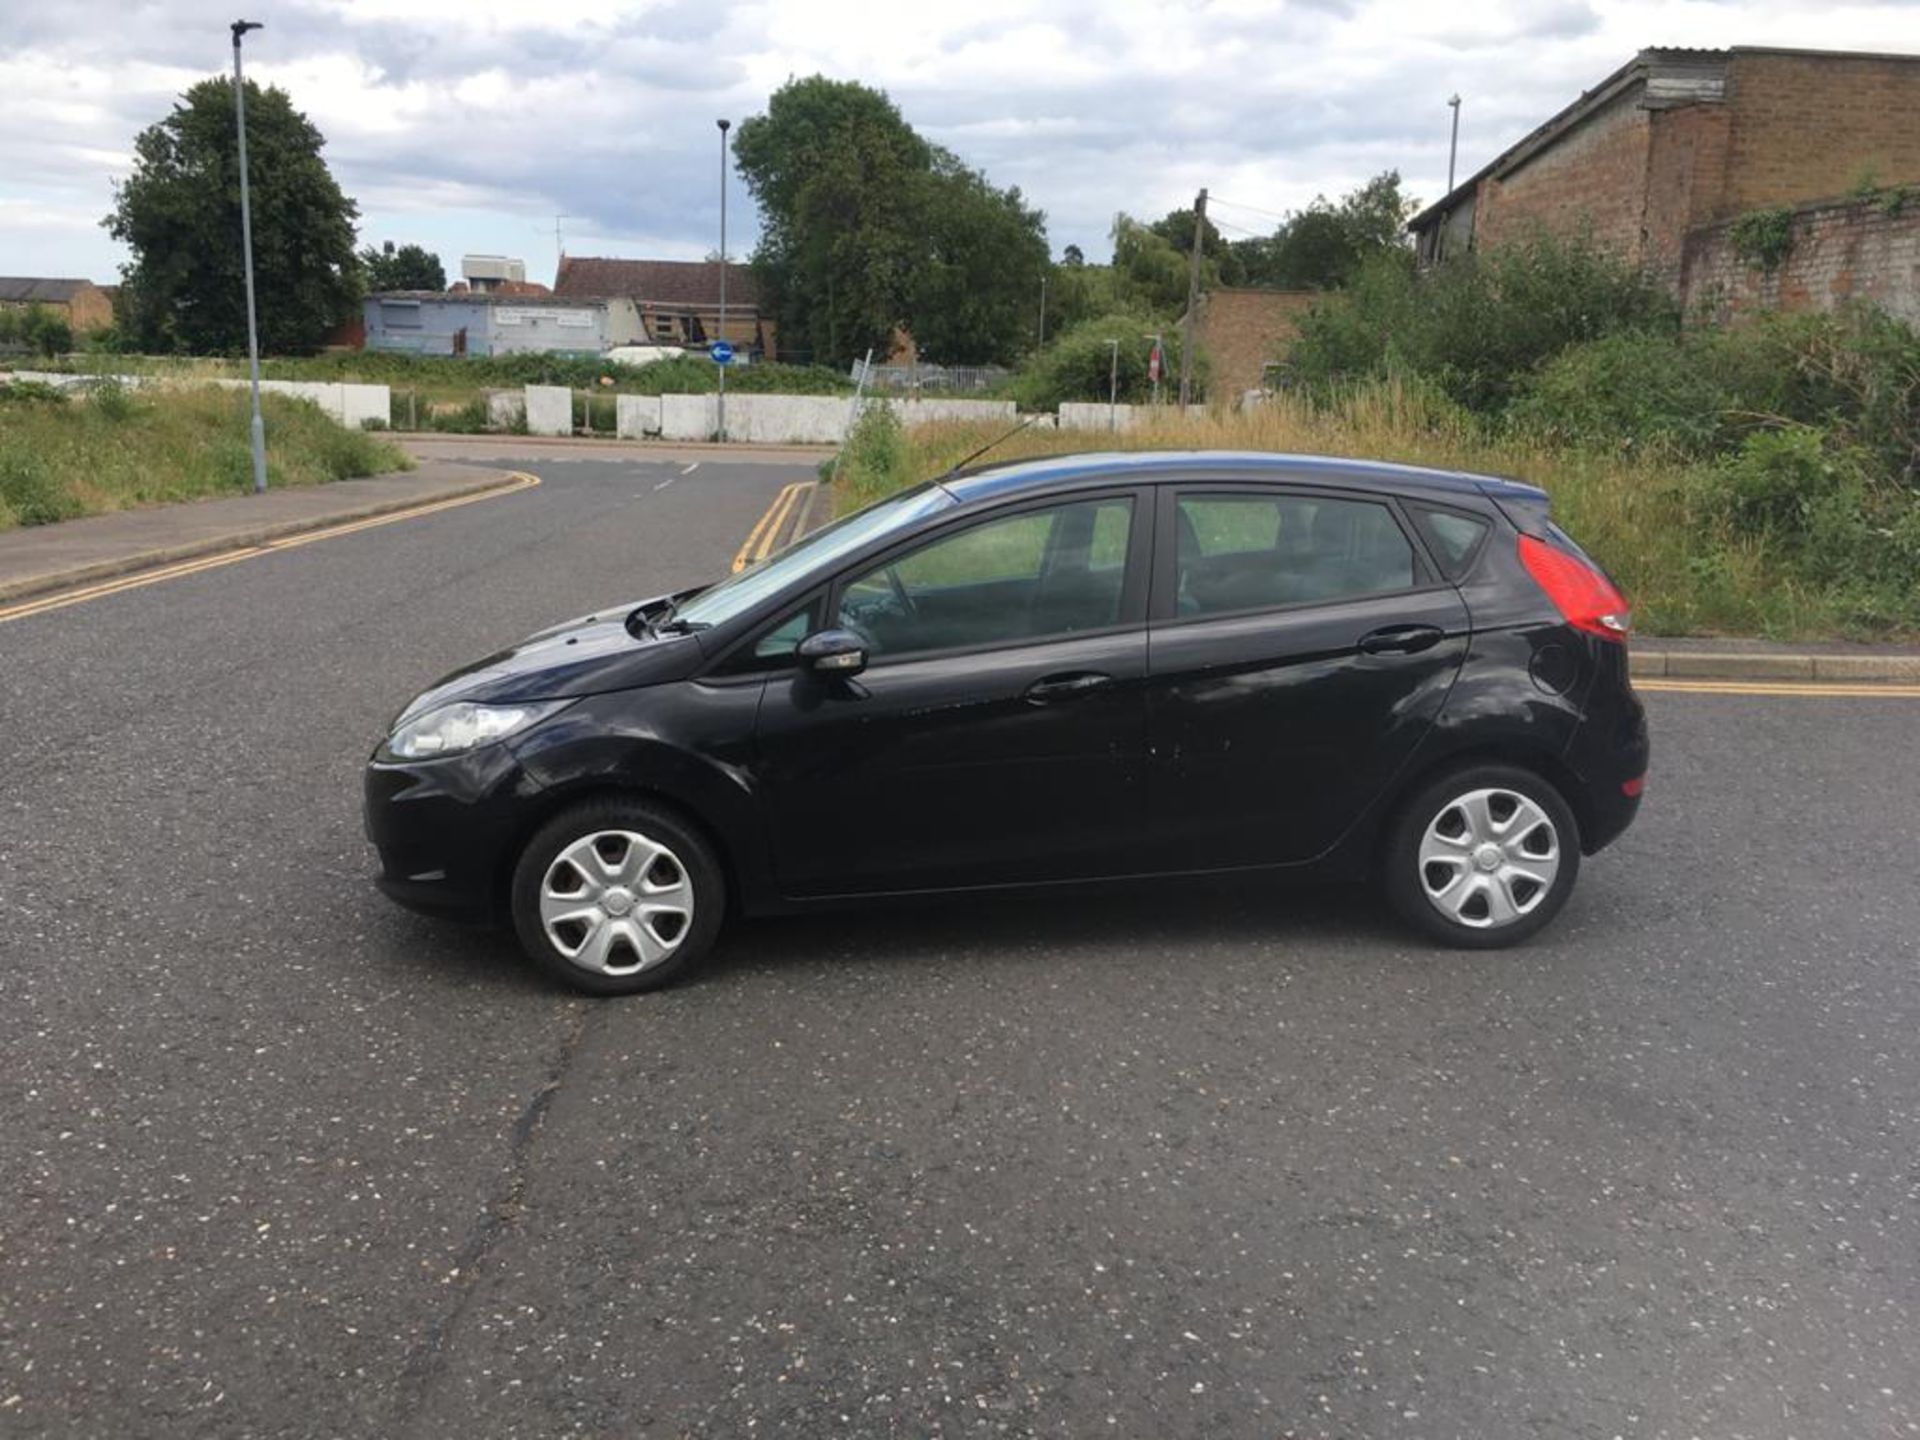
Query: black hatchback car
{"points": [[1037, 673]]}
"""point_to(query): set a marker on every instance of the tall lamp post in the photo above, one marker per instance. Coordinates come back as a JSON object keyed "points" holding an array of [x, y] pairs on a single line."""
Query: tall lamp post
{"points": [[241, 27], [1453, 146], [724, 125]]}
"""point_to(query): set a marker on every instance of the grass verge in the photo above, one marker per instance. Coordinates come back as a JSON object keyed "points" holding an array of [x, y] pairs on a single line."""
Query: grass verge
{"points": [[64, 457], [1657, 523]]}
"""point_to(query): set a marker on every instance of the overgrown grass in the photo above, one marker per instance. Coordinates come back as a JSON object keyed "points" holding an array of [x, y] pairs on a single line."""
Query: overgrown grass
{"points": [[1660, 522], [62, 457]]}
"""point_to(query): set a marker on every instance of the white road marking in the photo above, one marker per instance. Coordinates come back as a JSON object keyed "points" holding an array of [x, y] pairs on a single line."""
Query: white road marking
{"points": [[691, 468]]}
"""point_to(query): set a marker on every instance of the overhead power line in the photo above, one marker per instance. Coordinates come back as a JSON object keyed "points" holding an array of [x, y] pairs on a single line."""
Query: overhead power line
{"points": [[1256, 209]]}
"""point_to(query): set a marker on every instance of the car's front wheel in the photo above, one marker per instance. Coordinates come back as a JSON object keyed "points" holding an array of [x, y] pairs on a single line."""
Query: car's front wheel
{"points": [[1483, 857], [616, 896]]}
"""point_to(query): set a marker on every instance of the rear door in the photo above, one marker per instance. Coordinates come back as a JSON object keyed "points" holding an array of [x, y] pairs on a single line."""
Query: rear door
{"points": [[1300, 647]]}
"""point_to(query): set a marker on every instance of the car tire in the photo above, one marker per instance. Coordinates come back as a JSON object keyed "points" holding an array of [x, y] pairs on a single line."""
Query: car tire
{"points": [[615, 896], [1482, 857]]}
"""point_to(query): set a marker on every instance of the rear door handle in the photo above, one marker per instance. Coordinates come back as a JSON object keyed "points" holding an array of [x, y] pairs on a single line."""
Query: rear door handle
{"points": [[1401, 639], [1066, 687]]}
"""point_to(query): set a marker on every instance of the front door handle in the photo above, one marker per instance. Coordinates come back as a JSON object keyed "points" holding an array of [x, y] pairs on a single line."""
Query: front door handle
{"points": [[1066, 687], [1401, 639]]}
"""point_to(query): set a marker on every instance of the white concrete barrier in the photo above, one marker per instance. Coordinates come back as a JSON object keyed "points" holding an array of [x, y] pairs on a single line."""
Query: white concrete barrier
{"points": [[350, 405], [636, 416], [921, 412], [549, 410], [689, 417], [506, 408], [1092, 415]]}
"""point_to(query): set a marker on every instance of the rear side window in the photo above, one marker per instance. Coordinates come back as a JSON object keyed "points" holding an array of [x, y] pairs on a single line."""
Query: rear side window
{"points": [[1454, 537], [1253, 552]]}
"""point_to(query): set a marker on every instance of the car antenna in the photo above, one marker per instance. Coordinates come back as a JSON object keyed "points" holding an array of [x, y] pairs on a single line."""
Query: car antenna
{"points": [[992, 444]]}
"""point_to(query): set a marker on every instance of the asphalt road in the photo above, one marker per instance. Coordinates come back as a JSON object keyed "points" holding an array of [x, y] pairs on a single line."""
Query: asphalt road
{"points": [[279, 1159]]}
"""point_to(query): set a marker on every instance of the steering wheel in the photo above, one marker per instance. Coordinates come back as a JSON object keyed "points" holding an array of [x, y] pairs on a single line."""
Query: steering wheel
{"points": [[900, 596]]}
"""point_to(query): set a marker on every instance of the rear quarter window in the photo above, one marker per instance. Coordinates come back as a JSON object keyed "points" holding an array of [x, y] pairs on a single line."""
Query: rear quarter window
{"points": [[1453, 536]]}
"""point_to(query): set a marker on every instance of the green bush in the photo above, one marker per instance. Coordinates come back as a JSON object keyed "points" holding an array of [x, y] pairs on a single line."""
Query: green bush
{"points": [[470, 418], [31, 392], [112, 401], [30, 490], [1078, 365], [1479, 324], [876, 459], [1623, 390], [689, 374]]}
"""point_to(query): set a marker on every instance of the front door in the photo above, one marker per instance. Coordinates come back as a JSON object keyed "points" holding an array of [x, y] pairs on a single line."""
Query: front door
{"points": [[998, 733], [1300, 650]]}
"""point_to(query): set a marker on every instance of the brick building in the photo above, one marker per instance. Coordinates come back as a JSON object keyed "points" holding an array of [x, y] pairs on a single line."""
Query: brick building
{"points": [[84, 305], [670, 302], [1241, 330], [1660, 158]]}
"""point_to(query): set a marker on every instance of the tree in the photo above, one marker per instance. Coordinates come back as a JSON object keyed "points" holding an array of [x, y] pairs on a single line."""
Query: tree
{"points": [[1150, 274], [1073, 257], [411, 267], [836, 173], [867, 228], [45, 332], [1324, 246], [973, 295], [179, 213]]}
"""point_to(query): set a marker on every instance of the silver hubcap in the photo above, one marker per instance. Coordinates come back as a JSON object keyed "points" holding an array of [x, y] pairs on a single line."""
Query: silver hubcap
{"points": [[1488, 858], [615, 902]]}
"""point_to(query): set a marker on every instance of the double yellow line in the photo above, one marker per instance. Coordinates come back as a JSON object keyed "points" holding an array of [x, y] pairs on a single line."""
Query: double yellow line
{"points": [[64, 598], [766, 532], [1798, 689]]}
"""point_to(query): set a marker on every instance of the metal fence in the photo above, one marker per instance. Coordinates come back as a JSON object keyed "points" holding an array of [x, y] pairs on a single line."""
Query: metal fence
{"points": [[946, 379]]}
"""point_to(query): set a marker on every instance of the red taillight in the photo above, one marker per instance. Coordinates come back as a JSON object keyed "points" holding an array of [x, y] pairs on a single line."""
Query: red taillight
{"points": [[1631, 788], [1579, 592]]}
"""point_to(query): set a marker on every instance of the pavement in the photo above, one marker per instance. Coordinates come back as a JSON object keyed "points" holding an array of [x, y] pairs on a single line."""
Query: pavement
{"points": [[41, 558], [1213, 1160]]}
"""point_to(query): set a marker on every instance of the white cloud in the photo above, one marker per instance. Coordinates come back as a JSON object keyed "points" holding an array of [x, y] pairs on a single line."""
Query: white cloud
{"points": [[468, 124]]}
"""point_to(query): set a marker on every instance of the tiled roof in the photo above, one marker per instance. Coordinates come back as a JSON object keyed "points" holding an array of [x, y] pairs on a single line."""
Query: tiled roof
{"points": [[692, 283], [51, 292]]}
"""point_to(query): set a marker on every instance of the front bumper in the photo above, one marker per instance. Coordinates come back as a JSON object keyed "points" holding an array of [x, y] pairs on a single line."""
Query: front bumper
{"points": [[447, 829]]}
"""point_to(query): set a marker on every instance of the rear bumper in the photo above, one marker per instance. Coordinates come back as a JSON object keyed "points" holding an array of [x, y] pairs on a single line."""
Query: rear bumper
{"points": [[1610, 751]]}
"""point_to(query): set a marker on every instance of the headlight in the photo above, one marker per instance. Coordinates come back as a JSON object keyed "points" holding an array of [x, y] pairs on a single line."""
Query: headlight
{"points": [[449, 729]]}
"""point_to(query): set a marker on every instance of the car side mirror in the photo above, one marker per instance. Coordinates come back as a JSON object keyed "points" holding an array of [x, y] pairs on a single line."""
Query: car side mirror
{"points": [[834, 652]]}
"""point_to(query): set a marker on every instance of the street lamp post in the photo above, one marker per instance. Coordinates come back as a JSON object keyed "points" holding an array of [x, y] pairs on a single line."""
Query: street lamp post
{"points": [[259, 429], [724, 126], [1453, 146]]}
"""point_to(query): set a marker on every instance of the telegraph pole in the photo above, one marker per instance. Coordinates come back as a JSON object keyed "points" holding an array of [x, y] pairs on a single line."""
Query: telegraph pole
{"points": [[1193, 299], [259, 429], [1043, 310]]}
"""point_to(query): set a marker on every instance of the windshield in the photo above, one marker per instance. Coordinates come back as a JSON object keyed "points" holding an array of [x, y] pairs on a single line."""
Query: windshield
{"points": [[739, 593]]}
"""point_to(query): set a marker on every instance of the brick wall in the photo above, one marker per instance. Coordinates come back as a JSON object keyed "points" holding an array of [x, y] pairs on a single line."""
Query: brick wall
{"points": [[1686, 174], [1853, 250], [1594, 176], [1239, 331], [1806, 127]]}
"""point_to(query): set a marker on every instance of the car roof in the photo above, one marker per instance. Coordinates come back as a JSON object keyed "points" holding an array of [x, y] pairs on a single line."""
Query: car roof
{"points": [[1017, 477]]}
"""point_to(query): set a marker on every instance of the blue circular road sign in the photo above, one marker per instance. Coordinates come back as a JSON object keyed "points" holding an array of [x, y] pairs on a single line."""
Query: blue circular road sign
{"points": [[721, 352]]}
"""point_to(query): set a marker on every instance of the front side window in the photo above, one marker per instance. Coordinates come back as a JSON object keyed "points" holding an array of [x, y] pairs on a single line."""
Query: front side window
{"points": [[1031, 576], [1251, 552]]}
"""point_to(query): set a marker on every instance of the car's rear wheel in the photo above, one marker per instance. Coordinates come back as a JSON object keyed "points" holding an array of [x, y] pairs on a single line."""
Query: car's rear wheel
{"points": [[616, 896], [1483, 857]]}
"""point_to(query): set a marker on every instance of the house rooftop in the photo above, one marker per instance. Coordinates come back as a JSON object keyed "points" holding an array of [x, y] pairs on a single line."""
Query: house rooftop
{"points": [[689, 283], [21, 290]]}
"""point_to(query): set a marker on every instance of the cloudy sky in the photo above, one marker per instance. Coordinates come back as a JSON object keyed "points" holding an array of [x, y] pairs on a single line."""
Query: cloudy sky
{"points": [[467, 125]]}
